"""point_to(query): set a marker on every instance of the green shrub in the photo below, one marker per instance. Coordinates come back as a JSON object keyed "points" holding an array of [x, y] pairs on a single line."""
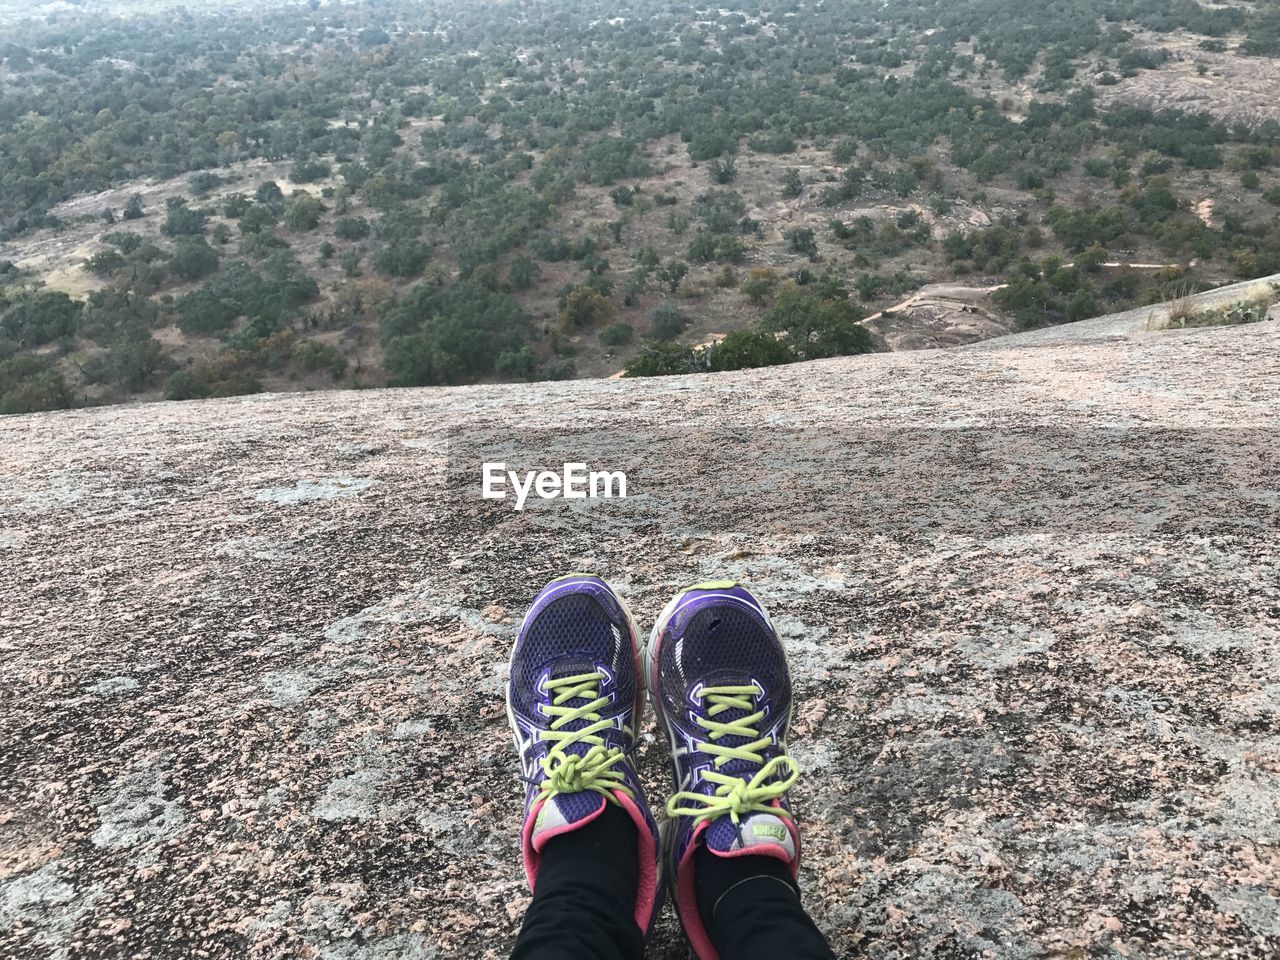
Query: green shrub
{"points": [[28, 384], [617, 334], [193, 259], [40, 318], [817, 327], [314, 355], [1252, 310], [664, 359], [309, 171], [352, 228], [562, 368], [523, 273], [123, 240], [417, 361], [183, 221], [802, 240], [744, 349], [519, 364], [403, 258], [104, 263], [667, 321], [183, 385], [302, 212], [583, 307]]}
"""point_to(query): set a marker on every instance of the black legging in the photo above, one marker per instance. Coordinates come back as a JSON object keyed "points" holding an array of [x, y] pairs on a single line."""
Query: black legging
{"points": [[584, 903]]}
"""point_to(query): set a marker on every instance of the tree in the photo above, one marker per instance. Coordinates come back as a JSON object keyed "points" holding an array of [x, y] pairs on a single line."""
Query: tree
{"points": [[667, 321], [302, 212], [743, 349], [664, 359], [402, 258], [792, 184], [203, 313], [315, 355], [184, 385], [352, 228], [256, 219], [1081, 306], [802, 240], [519, 364], [104, 263], [123, 241], [723, 170], [583, 307], [135, 359], [269, 194], [133, 209], [759, 284], [671, 273], [28, 385], [617, 334], [418, 361], [309, 171], [193, 259], [350, 263], [181, 220], [40, 318], [817, 327], [523, 272]]}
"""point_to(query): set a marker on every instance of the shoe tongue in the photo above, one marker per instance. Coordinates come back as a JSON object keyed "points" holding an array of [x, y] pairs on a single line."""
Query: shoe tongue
{"points": [[565, 812], [762, 832]]}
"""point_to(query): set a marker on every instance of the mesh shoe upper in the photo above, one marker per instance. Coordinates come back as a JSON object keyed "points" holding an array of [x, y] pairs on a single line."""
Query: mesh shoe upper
{"points": [[575, 627], [721, 639], [574, 698], [720, 680]]}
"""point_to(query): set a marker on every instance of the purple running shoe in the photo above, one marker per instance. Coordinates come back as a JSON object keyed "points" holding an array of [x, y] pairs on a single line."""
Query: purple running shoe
{"points": [[718, 677], [575, 700]]}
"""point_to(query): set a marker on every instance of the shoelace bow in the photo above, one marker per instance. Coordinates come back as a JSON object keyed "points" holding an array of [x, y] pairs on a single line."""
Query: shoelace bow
{"points": [[735, 796], [593, 770]]}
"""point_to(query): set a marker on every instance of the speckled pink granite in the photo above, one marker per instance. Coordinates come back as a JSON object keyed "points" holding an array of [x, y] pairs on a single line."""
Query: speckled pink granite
{"points": [[252, 649]]}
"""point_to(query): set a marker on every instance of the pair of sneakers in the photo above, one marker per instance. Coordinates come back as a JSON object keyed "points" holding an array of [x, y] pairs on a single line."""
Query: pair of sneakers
{"points": [[717, 676]]}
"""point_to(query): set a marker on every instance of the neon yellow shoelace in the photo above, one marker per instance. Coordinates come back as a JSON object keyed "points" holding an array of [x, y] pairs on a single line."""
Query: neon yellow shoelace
{"points": [[594, 770], [734, 796]]}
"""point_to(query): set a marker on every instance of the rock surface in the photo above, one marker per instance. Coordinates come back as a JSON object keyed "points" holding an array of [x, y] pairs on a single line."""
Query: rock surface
{"points": [[1234, 89], [253, 649], [940, 315]]}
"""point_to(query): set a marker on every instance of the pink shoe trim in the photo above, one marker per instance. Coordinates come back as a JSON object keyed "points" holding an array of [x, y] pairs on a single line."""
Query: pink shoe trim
{"points": [[687, 900], [532, 849], [686, 890], [771, 849], [647, 888]]}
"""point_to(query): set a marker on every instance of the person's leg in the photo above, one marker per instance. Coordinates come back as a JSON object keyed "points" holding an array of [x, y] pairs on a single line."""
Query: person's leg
{"points": [[750, 907], [584, 903], [589, 843], [718, 676]]}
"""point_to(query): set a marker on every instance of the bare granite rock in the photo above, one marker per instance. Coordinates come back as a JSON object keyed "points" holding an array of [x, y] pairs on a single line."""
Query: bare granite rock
{"points": [[253, 649]]}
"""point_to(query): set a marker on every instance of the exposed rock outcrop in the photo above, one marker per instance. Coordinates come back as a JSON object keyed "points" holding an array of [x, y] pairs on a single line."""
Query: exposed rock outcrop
{"points": [[252, 648]]}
